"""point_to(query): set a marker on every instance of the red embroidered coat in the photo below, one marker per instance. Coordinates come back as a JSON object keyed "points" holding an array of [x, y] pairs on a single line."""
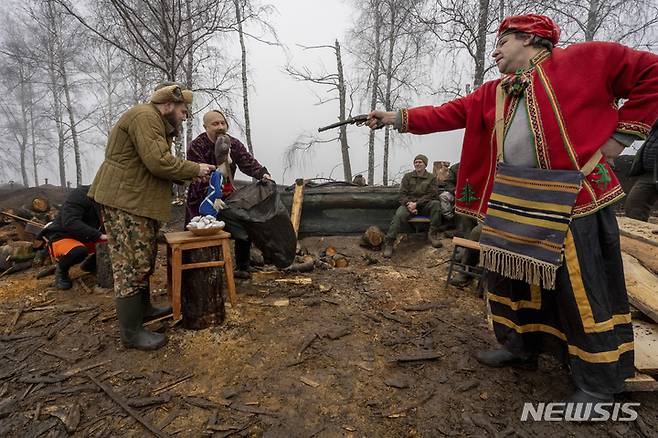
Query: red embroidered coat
{"points": [[571, 104]]}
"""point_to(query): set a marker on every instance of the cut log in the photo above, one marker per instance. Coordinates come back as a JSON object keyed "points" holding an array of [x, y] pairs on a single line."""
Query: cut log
{"points": [[305, 264], [373, 237], [641, 285], [104, 276], [646, 346], [646, 253], [40, 204], [202, 299], [340, 261]]}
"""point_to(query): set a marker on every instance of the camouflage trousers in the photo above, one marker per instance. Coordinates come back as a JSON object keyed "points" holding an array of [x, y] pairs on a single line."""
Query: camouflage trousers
{"points": [[447, 201], [132, 241]]}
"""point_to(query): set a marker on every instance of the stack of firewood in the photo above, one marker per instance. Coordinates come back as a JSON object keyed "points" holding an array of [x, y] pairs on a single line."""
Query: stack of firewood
{"points": [[329, 258]]}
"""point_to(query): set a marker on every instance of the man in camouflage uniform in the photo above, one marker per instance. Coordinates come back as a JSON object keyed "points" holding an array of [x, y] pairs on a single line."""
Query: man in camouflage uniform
{"points": [[447, 196], [466, 227], [133, 187], [419, 193]]}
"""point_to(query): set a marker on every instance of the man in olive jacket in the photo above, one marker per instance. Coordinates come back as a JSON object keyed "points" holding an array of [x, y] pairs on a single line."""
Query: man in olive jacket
{"points": [[133, 187], [419, 192]]}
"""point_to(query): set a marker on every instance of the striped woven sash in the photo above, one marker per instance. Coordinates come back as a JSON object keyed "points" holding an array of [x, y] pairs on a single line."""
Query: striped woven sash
{"points": [[528, 216], [527, 221]]}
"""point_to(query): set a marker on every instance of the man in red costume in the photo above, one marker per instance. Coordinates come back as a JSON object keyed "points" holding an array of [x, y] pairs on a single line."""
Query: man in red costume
{"points": [[561, 107]]}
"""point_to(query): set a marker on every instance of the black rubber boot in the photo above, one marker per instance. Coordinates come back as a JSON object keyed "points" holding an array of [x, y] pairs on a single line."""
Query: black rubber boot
{"points": [[504, 358], [388, 248], [585, 404], [62, 279], [149, 311], [242, 255], [133, 335], [582, 396], [434, 236]]}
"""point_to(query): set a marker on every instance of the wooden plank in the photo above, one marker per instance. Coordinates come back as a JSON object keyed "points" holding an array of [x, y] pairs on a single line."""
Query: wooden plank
{"points": [[642, 231], [646, 253], [646, 346], [642, 286], [641, 382], [458, 241], [297, 201], [187, 236], [198, 245], [202, 265]]}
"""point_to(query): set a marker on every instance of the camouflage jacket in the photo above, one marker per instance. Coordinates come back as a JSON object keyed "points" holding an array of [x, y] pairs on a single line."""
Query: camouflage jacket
{"points": [[418, 188]]}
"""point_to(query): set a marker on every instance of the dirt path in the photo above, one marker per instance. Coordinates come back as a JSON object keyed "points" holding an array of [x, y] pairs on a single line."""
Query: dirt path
{"points": [[323, 364]]}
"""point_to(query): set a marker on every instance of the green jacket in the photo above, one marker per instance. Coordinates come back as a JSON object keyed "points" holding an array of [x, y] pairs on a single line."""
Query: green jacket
{"points": [[139, 168], [419, 189]]}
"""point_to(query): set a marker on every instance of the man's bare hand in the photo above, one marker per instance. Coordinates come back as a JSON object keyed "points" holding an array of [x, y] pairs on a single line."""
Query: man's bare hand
{"points": [[266, 177], [378, 119], [412, 207], [205, 169], [612, 148]]}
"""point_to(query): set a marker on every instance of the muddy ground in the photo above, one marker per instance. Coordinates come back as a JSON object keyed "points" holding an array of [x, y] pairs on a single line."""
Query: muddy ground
{"points": [[321, 364]]}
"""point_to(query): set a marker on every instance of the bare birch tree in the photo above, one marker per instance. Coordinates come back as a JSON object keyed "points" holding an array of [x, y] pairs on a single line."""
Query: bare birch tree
{"points": [[402, 67], [245, 86], [336, 83], [17, 106], [374, 84], [631, 22]]}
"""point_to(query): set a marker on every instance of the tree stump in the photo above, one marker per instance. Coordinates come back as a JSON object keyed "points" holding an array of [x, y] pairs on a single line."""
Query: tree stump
{"points": [[202, 300], [104, 276]]}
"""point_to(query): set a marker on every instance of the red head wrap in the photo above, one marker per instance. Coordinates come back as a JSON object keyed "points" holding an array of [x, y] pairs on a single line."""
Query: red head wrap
{"points": [[539, 25]]}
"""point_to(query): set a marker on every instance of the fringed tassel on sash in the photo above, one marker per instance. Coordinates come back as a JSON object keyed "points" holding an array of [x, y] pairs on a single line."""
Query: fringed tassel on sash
{"points": [[518, 267]]}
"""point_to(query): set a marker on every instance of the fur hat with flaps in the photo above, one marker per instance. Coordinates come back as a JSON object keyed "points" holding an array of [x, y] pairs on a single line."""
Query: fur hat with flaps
{"points": [[171, 93]]}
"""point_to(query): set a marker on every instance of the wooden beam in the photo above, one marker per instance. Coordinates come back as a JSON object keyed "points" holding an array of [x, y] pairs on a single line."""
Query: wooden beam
{"points": [[646, 253], [458, 241], [641, 285], [642, 231], [646, 346], [641, 382], [297, 201]]}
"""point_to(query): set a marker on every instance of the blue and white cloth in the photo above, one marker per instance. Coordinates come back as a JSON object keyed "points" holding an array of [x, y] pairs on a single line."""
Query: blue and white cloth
{"points": [[212, 203]]}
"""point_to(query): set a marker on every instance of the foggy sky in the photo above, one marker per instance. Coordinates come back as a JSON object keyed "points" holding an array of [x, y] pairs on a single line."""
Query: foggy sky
{"points": [[282, 108]]}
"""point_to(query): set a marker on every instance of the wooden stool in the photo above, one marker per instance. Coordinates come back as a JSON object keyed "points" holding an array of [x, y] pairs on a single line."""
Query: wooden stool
{"points": [[468, 270], [418, 222], [180, 241]]}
